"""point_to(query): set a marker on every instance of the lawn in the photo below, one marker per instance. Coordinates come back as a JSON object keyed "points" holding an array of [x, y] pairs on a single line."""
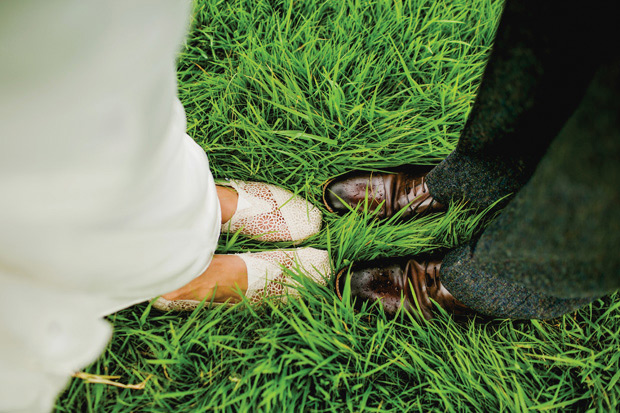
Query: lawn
{"points": [[293, 93]]}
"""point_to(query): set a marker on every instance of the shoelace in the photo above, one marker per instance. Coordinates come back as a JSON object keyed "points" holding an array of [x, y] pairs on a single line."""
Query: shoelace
{"points": [[431, 281], [410, 274], [412, 206]]}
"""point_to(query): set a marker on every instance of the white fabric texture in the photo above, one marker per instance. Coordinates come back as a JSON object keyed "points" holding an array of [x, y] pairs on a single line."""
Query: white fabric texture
{"points": [[104, 199]]}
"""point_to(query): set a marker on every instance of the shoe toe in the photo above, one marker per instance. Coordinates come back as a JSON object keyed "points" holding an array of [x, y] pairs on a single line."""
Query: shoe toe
{"points": [[370, 283], [333, 196], [347, 192], [302, 219], [316, 264], [266, 277]]}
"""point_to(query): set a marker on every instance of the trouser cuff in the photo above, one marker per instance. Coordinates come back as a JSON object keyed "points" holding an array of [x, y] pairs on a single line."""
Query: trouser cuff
{"points": [[491, 295], [480, 181]]}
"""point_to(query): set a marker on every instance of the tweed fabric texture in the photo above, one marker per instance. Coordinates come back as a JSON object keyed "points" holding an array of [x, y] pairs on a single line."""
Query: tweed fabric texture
{"points": [[533, 82], [489, 293], [555, 246], [561, 233]]}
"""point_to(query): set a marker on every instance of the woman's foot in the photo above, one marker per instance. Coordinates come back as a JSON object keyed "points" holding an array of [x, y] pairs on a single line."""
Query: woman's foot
{"points": [[221, 281], [267, 278], [255, 275], [266, 212]]}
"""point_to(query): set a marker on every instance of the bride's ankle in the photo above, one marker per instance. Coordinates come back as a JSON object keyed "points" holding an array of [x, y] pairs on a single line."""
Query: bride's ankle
{"points": [[228, 198], [222, 280]]}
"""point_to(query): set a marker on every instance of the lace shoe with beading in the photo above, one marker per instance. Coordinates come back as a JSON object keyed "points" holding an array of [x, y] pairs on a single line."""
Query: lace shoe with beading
{"points": [[270, 213], [268, 277]]}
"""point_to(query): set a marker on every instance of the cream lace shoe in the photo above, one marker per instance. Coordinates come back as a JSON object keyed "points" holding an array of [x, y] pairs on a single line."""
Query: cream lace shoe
{"points": [[269, 213], [266, 276], [182, 305]]}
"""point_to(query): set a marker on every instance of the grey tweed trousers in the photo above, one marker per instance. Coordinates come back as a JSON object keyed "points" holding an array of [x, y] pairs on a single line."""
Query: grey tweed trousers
{"points": [[543, 136]]}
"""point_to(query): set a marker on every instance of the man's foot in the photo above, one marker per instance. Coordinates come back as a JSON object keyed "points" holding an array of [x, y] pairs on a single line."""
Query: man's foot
{"points": [[396, 281], [396, 191], [269, 213], [255, 275]]}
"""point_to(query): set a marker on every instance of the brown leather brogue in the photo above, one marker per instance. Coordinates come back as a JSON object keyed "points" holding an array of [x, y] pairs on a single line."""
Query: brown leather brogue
{"points": [[395, 281], [393, 191]]}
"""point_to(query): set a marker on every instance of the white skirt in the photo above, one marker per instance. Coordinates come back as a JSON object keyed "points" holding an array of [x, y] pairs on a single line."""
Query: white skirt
{"points": [[104, 199]]}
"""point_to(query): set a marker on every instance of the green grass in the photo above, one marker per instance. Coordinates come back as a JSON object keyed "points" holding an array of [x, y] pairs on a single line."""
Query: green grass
{"points": [[293, 93]]}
